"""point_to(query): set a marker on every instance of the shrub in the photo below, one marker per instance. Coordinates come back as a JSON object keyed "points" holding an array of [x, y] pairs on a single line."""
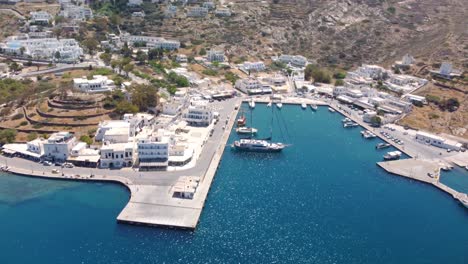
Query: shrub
{"points": [[86, 139], [23, 123], [18, 116]]}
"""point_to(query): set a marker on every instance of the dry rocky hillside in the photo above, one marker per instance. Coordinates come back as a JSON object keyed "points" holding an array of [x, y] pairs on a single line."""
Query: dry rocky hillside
{"points": [[345, 32]]}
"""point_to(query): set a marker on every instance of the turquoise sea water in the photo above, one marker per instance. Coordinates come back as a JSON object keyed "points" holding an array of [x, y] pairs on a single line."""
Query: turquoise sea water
{"points": [[323, 200]]}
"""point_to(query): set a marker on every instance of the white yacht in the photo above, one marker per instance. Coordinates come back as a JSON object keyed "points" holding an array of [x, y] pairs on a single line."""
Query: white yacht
{"points": [[392, 155], [304, 106], [246, 130], [252, 104], [279, 105], [257, 145]]}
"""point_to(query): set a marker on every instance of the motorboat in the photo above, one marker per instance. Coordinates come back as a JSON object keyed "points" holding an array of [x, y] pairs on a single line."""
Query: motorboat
{"points": [[382, 145], [314, 107], [269, 104], [331, 110], [350, 124], [279, 105], [304, 106], [346, 120], [241, 121], [246, 130], [392, 155], [252, 104], [257, 145]]}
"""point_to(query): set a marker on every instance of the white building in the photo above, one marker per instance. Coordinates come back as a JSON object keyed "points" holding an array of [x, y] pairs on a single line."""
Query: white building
{"points": [[117, 155], [108, 125], [198, 116], [182, 58], [98, 84], [40, 17], [58, 146], [76, 12], [447, 71], [197, 11], [116, 135], [373, 72], [151, 42], [252, 66], [223, 12], [172, 107], [51, 49], [153, 151], [252, 86], [294, 60], [215, 55], [437, 141], [368, 115]]}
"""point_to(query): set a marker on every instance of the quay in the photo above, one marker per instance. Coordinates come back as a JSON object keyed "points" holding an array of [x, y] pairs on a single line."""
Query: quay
{"points": [[415, 168]]}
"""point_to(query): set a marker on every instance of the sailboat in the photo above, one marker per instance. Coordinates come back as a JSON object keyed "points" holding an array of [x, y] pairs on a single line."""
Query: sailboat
{"points": [[259, 145]]}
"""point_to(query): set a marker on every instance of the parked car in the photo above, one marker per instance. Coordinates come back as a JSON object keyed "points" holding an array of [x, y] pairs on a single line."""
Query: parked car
{"points": [[47, 163], [68, 165]]}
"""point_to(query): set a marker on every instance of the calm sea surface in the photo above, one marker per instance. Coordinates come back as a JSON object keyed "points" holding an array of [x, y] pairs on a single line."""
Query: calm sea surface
{"points": [[323, 200]]}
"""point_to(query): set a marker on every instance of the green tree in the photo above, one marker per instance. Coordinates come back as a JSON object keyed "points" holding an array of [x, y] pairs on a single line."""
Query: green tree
{"points": [[7, 136], [106, 58], [141, 57], [376, 121], [86, 139], [202, 52], [90, 44], [144, 96], [125, 107], [339, 82], [57, 55]]}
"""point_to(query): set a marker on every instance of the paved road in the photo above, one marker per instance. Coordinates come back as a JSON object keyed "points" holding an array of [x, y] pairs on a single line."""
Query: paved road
{"points": [[164, 178], [12, 11], [59, 68]]}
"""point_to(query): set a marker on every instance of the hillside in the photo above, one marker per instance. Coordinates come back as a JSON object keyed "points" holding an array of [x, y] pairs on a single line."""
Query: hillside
{"points": [[334, 32]]}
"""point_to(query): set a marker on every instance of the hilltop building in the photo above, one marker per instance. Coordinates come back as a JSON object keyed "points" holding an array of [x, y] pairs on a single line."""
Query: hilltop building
{"points": [[98, 84]]}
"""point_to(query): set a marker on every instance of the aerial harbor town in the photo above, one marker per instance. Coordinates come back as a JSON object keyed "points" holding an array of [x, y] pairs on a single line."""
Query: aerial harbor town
{"points": [[94, 91]]}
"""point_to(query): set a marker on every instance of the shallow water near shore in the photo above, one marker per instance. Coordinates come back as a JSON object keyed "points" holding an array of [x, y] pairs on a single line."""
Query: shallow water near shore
{"points": [[322, 200]]}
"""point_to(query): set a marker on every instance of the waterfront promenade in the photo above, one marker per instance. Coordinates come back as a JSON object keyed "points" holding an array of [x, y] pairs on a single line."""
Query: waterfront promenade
{"points": [[151, 197]]}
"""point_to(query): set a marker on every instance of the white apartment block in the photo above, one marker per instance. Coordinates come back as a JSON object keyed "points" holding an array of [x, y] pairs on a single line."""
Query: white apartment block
{"points": [[117, 155], [98, 84], [294, 60], [152, 42], [40, 17], [43, 48], [368, 71], [253, 66], [58, 146], [198, 115], [153, 151], [215, 55], [197, 11]]}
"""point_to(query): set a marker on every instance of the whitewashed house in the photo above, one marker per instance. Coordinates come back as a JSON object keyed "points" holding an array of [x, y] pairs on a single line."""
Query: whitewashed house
{"points": [[198, 115], [117, 155], [153, 151], [98, 84], [223, 12], [151, 42], [197, 11], [58, 146], [294, 60], [215, 55], [40, 17]]}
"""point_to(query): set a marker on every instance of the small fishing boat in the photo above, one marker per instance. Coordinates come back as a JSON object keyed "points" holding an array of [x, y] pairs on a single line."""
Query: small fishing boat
{"points": [[346, 120], [304, 106], [350, 124], [241, 120], [314, 107], [269, 104], [279, 105], [331, 110]]}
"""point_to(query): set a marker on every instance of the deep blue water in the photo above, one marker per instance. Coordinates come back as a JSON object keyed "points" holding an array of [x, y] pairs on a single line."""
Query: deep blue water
{"points": [[323, 200]]}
